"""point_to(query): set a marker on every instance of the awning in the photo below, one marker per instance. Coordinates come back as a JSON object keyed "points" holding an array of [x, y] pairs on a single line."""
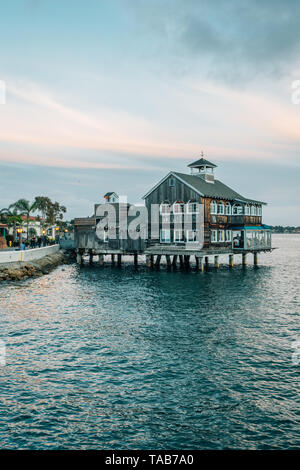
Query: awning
{"points": [[251, 227]]}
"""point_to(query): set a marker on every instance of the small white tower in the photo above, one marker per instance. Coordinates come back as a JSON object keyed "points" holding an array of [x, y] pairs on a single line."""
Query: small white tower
{"points": [[204, 169]]}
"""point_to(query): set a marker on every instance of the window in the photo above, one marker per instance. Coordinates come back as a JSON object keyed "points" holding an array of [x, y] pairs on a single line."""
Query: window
{"points": [[165, 236], [178, 236], [213, 207], [221, 209], [247, 210], [228, 236], [253, 210], [165, 208], [105, 235], [237, 210], [228, 209], [171, 182], [259, 210], [214, 236], [178, 207], [221, 235], [191, 236], [193, 207]]}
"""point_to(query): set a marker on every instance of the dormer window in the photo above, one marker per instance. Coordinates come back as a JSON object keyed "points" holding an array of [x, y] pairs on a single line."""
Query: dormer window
{"points": [[171, 182]]}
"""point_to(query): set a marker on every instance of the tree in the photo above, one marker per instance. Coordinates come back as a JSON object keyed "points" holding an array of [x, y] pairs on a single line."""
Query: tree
{"points": [[52, 212], [27, 208], [12, 217]]}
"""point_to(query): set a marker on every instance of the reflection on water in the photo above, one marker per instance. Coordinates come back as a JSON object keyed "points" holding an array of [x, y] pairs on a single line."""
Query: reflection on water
{"points": [[118, 358]]}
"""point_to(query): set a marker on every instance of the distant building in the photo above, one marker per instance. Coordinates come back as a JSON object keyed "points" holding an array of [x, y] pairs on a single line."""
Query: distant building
{"points": [[3, 232]]}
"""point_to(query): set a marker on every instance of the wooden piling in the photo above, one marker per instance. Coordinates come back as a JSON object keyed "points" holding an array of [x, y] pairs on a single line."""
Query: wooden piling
{"points": [[174, 262], [197, 262], [201, 264], [79, 258], [244, 259], [91, 256], [119, 260], [135, 259], [216, 263], [112, 259], [231, 262], [181, 261], [255, 259], [206, 262], [168, 260], [157, 262], [148, 261], [101, 260]]}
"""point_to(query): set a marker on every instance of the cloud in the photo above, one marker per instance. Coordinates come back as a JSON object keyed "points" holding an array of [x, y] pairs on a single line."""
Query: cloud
{"points": [[236, 40]]}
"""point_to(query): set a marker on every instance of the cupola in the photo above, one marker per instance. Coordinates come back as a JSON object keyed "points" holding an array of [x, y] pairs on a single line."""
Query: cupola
{"points": [[204, 169]]}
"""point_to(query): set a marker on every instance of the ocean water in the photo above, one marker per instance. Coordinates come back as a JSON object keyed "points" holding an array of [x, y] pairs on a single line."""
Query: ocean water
{"points": [[109, 358]]}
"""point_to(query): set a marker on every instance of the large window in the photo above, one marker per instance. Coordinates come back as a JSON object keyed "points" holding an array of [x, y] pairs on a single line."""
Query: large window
{"points": [[221, 208], [228, 209], [221, 236], [165, 235], [191, 236], [193, 207], [178, 236], [214, 236], [228, 236], [165, 208], [247, 210], [213, 207], [237, 209], [259, 210], [253, 210], [178, 207]]}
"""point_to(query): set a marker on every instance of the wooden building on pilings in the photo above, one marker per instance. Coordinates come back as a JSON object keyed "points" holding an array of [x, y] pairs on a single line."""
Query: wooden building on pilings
{"points": [[232, 223]]}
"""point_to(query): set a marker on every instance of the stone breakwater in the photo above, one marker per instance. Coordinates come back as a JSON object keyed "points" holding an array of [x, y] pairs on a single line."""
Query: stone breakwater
{"points": [[19, 271]]}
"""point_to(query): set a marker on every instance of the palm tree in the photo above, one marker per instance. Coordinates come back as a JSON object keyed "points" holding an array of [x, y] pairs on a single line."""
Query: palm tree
{"points": [[26, 208], [12, 218]]}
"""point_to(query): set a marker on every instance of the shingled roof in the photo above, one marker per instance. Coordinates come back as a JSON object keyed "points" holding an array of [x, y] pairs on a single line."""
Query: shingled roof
{"points": [[216, 190], [202, 162]]}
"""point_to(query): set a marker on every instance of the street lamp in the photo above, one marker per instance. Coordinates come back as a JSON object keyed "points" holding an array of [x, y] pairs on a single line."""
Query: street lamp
{"points": [[19, 232]]}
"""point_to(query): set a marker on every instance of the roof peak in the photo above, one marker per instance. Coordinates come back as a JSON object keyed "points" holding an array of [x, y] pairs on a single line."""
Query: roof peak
{"points": [[202, 162]]}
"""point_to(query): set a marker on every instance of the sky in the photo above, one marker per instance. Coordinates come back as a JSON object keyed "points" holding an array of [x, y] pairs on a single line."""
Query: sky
{"points": [[107, 95]]}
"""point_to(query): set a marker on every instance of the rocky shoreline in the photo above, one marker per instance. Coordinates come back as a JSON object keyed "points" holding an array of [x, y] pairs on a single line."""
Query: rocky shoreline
{"points": [[37, 268]]}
